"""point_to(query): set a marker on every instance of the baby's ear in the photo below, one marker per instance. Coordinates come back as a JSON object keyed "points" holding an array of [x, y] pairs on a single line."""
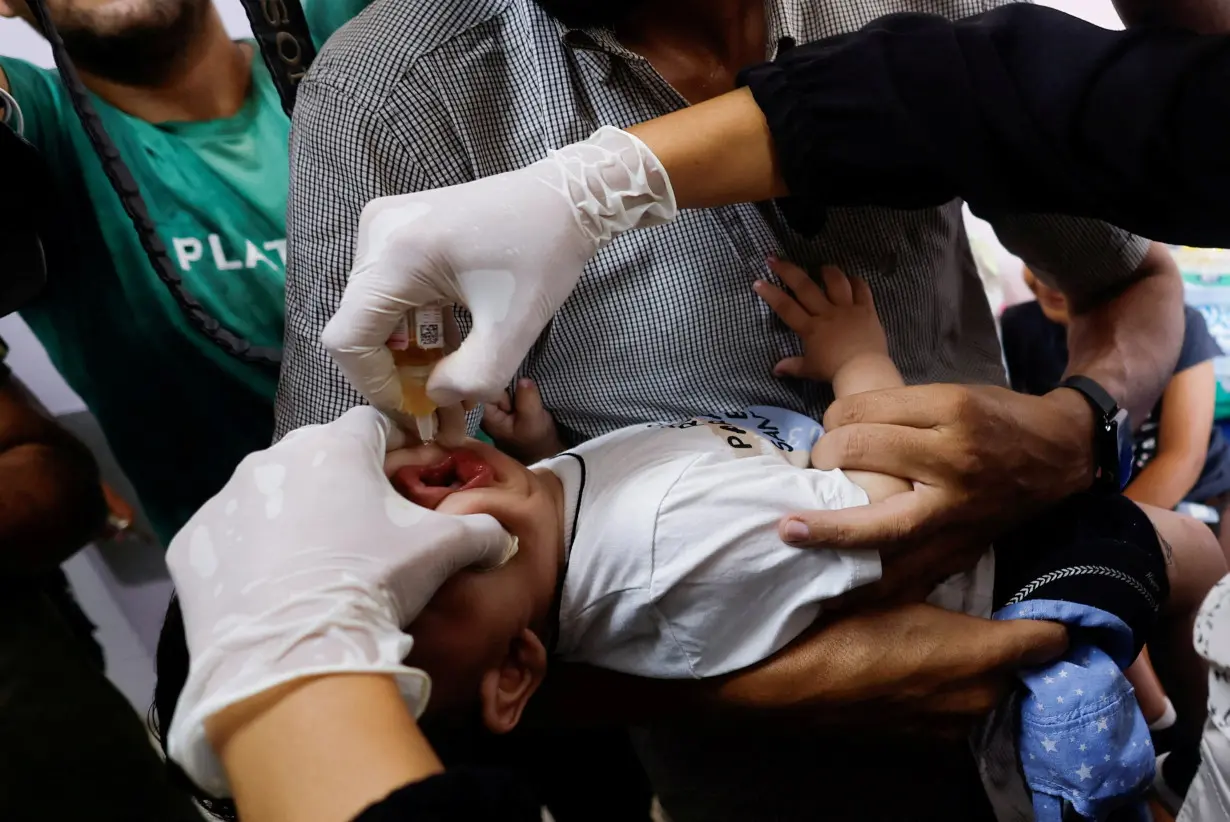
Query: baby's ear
{"points": [[506, 689]]}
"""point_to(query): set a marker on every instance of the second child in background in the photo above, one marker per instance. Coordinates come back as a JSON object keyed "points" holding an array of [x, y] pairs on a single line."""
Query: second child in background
{"points": [[1180, 455]]}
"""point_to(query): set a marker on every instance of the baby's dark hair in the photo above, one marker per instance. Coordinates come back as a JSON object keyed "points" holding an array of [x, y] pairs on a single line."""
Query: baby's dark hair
{"points": [[171, 669]]}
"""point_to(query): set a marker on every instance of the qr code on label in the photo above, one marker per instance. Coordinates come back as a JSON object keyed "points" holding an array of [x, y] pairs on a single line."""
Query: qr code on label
{"points": [[429, 335], [429, 327]]}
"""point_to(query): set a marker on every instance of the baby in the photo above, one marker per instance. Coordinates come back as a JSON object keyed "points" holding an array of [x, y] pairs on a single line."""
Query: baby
{"points": [[654, 550]]}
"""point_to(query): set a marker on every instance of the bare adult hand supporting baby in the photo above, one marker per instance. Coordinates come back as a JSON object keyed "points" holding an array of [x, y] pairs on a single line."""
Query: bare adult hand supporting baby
{"points": [[981, 459], [914, 669]]}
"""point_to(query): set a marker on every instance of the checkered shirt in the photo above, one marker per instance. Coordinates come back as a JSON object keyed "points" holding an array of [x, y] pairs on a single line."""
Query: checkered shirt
{"points": [[419, 94]]}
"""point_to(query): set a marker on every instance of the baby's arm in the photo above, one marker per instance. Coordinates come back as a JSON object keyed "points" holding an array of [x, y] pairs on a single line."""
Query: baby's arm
{"points": [[521, 426], [843, 343]]}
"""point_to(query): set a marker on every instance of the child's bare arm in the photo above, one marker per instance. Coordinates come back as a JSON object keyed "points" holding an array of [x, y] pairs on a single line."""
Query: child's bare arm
{"points": [[870, 374], [843, 343]]}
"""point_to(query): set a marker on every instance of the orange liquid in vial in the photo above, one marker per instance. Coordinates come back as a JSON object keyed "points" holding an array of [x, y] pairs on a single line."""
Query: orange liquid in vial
{"points": [[416, 348], [413, 368]]}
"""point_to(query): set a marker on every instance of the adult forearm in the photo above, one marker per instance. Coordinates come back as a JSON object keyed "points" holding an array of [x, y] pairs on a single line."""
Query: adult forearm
{"points": [[717, 152], [1165, 481], [914, 664], [320, 750], [51, 504], [1130, 342], [1204, 16], [1021, 109]]}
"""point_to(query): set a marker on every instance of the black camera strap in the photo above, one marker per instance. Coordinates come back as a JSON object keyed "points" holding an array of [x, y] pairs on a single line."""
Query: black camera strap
{"points": [[281, 30]]}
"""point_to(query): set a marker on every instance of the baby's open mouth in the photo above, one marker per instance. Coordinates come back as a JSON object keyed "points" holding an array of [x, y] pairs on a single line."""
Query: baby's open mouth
{"points": [[428, 485]]}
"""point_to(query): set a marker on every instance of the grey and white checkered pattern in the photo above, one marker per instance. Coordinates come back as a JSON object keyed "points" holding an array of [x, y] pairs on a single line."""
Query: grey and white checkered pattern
{"points": [[418, 94]]}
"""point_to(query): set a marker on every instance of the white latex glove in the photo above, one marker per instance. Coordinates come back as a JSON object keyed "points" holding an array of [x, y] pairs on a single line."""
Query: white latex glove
{"points": [[510, 248], [306, 563]]}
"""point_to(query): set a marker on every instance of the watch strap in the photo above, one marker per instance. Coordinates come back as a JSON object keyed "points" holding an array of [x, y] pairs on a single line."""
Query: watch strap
{"points": [[1099, 399], [1105, 439]]}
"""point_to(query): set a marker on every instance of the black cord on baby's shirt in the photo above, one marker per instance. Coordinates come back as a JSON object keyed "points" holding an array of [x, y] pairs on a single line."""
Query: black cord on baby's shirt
{"points": [[552, 637]]}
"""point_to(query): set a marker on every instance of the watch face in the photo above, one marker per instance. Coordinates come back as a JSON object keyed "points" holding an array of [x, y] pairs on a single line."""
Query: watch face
{"points": [[1123, 435]]}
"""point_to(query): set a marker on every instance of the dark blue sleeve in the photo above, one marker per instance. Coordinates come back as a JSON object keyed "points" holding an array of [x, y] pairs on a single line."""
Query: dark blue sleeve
{"points": [[1035, 349], [1198, 344], [1014, 337]]}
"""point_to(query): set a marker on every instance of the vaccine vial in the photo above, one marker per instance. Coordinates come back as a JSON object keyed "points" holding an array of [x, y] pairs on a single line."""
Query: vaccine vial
{"points": [[417, 345]]}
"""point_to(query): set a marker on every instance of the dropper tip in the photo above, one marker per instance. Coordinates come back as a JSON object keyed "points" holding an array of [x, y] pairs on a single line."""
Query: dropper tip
{"points": [[427, 427]]}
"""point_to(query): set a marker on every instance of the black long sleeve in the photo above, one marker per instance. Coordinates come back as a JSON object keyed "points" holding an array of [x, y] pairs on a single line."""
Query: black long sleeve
{"points": [[458, 795], [1022, 109]]}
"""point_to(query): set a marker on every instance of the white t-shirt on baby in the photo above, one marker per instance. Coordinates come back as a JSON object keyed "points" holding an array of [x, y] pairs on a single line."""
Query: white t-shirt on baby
{"points": [[675, 568]]}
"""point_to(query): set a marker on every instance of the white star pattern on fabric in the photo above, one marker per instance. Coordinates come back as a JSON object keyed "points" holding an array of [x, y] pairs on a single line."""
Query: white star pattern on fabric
{"points": [[1094, 713]]}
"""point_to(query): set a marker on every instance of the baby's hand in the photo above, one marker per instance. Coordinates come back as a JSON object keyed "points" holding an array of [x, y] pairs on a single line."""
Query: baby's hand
{"points": [[522, 427], [837, 324]]}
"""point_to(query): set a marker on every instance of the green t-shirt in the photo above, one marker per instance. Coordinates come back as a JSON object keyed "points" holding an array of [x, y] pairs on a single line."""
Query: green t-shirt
{"points": [[178, 412], [324, 18]]}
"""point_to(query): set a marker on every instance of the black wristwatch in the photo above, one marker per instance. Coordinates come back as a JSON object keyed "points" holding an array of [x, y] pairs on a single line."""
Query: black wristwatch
{"points": [[1112, 435]]}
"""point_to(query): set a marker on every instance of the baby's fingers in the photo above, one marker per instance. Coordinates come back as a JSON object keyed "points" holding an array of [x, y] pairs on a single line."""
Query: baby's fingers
{"points": [[837, 285], [783, 305], [528, 400], [862, 292], [792, 367], [498, 421], [804, 287]]}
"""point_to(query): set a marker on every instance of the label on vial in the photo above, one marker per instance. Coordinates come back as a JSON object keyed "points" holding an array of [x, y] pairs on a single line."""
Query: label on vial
{"points": [[399, 340], [429, 327]]}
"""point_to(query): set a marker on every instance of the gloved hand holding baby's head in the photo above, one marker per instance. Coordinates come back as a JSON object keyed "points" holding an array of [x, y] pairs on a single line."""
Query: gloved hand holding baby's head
{"points": [[484, 637]]}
